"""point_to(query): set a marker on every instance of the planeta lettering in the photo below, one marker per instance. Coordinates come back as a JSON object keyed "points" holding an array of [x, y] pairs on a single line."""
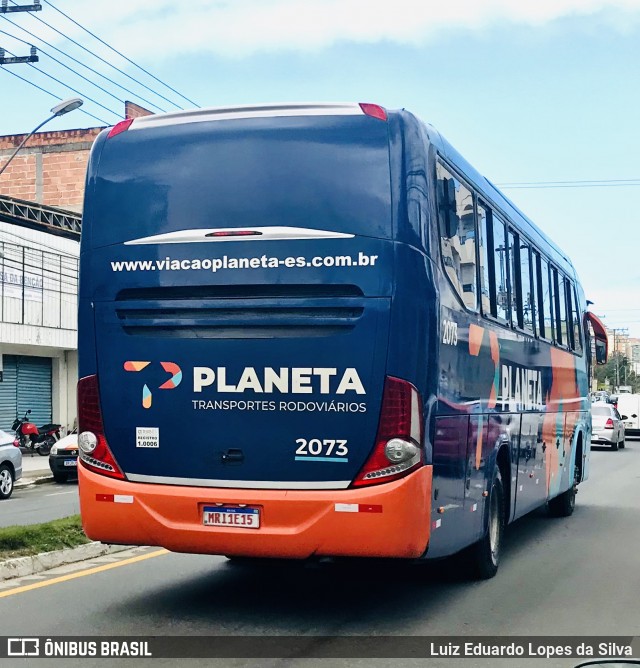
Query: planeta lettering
{"points": [[295, 380], [521, 389]]}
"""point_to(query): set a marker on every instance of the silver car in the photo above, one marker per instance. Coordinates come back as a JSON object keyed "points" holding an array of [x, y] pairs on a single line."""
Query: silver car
{"points": [[607, 427], [10, 464]]}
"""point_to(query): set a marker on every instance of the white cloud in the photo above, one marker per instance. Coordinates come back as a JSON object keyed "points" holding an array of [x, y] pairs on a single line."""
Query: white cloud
{"points": [[245, 27]]}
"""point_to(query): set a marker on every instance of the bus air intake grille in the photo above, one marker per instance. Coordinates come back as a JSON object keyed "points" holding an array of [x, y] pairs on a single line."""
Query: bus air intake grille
{"points": [[240, 318]]}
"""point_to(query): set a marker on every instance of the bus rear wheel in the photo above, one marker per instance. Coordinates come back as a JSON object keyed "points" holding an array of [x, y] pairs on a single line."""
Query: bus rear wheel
{"points": [[564, 504], [484, 556]]}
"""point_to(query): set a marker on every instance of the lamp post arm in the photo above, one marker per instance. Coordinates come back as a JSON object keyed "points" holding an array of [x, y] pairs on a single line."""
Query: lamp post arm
{"points": [[24, 141]]}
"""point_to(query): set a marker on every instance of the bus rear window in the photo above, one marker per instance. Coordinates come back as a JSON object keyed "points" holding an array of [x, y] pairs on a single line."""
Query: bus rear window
{"points": [[328, 173]]}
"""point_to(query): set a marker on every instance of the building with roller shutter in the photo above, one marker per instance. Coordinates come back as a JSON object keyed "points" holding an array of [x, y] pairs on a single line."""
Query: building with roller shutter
{"points": [[41, 195], [38, 303]]}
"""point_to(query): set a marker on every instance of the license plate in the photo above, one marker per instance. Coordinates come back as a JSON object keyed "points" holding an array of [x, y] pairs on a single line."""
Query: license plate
{"points": [[628, 424], [71, 462], [239, 518], [595, 435]]}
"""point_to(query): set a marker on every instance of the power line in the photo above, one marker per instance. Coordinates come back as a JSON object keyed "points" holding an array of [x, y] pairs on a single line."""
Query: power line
{"points": [[121, 54], [48, 92], [75, 90], [595, 183], [104, 90], [101, 59], [79, 62]]}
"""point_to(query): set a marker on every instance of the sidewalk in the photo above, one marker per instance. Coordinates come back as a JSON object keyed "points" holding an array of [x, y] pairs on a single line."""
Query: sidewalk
{"points": [[34, 467]]}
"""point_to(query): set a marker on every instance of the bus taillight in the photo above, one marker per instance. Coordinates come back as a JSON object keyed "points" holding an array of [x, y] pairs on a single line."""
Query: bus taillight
{"points": [[92, 445], [398, 448]]}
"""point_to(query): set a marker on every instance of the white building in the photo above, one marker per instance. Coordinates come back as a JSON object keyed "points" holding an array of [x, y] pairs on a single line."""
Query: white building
{"points": [[38, 316]]}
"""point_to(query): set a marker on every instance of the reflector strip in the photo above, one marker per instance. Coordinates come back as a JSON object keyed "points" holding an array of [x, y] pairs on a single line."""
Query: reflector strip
{"points": [[115, 498], [357, 508], [437, 524]]}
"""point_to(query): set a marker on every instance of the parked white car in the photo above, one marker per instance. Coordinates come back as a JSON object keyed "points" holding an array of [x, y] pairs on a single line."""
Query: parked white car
{"points": [[10, 463], [607, 427]]}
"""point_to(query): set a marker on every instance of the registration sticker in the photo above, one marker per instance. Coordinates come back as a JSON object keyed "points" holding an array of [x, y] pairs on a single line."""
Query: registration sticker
{"points": [[147, 437], [223, 516]]}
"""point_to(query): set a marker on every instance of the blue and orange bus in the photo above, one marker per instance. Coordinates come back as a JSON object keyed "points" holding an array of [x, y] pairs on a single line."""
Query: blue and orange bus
{"points": [[315, 330]]}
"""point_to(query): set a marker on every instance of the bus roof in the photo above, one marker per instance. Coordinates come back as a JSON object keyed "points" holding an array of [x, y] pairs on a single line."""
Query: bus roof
{"points": [[490, 192]]}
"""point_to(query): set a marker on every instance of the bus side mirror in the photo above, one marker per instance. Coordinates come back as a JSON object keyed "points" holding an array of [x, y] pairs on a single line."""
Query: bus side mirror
{"points": [[600, 337], [448, 209]]}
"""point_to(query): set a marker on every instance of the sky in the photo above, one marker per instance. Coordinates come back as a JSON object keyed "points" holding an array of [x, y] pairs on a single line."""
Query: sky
{"points": [[530, 92]]}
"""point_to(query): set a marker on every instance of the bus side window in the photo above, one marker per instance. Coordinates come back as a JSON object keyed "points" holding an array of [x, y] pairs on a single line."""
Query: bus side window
{"points": [[575, 317], [487, 286], [527, 291], [570, 331], [537, 292], [458, 235], [501, 267], [514, 274], [563, 316], [547, 299]]}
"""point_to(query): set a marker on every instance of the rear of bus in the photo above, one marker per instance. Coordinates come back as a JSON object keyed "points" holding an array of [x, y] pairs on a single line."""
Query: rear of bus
{"points": [[246, 358]]}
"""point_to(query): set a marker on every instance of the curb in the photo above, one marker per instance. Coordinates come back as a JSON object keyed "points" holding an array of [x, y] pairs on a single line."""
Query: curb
{"points": [[26, 482], [23, 566]]}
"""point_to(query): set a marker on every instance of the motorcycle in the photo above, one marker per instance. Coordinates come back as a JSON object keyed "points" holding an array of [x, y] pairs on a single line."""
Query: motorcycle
{"points": [[31, 437]]}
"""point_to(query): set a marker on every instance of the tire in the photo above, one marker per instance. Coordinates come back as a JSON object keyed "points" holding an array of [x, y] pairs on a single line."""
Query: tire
{"points": [[44, 448], [60, 477], [6, 482], [614, 446], [621, 444], [484, 556], [564, 504]]}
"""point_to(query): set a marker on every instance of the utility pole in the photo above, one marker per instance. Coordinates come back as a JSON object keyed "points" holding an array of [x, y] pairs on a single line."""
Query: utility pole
{"points": [[14, 60], [625, 332], [5, 8]]}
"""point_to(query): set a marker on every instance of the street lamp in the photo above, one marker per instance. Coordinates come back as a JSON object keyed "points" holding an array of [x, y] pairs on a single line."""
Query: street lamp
{"points": [[59, 110]]}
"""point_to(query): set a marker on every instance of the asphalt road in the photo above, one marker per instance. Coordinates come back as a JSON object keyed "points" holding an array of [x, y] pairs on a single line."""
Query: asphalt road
{"points": [[40, 503], [574, 576]]}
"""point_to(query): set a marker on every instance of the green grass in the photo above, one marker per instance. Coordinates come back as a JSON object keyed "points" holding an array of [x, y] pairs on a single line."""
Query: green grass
{"points": [[21, 541]]}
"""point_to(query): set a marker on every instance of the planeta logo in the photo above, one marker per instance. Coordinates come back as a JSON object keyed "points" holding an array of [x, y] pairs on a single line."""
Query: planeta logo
{"points": [[171, 384]]}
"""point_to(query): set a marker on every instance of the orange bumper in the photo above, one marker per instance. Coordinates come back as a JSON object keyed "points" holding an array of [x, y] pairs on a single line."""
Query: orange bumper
{"points": [[294, 524]]}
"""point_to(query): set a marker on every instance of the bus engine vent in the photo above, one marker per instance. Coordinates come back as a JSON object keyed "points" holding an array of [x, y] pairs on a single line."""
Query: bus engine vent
{"points": [[240, 312]]}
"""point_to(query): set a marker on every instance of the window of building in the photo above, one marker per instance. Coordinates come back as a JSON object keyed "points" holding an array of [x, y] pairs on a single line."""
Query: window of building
{"points": [[457, 235]]}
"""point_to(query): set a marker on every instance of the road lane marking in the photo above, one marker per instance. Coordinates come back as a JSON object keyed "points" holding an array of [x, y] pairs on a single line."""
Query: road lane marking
{"points": [[80, 574], [60, 493]]}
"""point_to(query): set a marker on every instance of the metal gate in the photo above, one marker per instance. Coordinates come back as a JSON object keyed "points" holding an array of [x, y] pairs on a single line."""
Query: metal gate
{"points": [[26, 384]]}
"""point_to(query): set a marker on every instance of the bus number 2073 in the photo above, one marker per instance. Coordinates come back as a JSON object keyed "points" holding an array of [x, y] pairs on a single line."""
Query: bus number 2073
{"points": [[321, 448]]}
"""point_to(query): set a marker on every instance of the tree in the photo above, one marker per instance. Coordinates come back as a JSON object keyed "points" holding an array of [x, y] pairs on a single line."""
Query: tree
{"points": [[619, 371]]}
